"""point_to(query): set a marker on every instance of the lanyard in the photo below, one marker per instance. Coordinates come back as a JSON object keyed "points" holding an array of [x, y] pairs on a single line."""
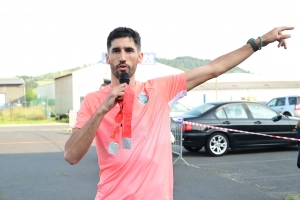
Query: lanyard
{"points": [[122, 122]]}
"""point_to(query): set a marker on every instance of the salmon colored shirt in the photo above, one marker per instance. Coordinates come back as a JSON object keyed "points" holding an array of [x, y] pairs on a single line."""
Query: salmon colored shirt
{"points": [[145, 171]]}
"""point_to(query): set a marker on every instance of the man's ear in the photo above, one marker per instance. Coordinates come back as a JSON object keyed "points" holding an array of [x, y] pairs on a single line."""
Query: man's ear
{"points": [[107, 58], [140, 57]]}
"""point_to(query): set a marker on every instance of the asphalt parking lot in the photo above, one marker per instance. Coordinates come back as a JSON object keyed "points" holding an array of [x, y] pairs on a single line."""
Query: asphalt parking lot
{"points": [[32, 167]]}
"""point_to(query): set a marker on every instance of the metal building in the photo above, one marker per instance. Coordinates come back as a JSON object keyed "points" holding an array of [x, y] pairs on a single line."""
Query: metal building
{"points": [[47, 90], [12, 91], [243, 86]]}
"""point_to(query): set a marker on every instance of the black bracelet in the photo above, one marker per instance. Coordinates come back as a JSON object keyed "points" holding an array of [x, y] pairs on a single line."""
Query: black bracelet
{"points": [[253, 44]]}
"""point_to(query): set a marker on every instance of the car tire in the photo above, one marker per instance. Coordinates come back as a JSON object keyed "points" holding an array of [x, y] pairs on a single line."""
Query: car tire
{"points": [[287, 114], [217, 144], [193, 149]]}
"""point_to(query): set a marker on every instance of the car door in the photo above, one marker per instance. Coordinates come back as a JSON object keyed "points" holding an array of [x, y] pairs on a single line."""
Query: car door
{"points": [[234, 116], [277, 104], [262, 116]]}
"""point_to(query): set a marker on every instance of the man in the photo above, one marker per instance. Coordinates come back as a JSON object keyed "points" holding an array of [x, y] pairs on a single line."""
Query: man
{"points": [[103, 85], [136, 162]]}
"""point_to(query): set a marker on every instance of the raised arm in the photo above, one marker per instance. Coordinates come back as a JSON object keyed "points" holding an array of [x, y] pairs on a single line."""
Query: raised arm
{"points": [[226, 62]]}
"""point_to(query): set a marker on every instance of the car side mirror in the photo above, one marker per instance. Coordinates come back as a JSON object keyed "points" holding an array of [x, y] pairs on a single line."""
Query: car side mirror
{"points": [[277, 118]]}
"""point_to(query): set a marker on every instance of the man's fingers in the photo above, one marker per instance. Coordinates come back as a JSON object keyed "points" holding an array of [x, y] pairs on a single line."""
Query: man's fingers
{"points": [[282, 43], [285, 36], [283, 28]]}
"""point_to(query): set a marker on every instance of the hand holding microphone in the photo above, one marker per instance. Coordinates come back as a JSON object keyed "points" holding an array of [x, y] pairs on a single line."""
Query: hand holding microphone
{"points": [[117, 93]]}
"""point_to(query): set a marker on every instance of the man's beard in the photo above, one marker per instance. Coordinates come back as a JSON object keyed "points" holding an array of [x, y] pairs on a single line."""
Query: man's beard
{"points": [[131, 70]]}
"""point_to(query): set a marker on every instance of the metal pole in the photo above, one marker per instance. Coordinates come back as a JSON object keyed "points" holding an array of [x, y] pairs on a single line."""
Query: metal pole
{"points": [[10, 110]]}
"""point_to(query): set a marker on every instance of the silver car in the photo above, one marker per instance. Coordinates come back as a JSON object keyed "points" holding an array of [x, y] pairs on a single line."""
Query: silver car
{"points": [[286, 105]]}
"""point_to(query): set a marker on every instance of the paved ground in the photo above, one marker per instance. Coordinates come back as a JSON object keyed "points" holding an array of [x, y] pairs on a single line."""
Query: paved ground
{"points": [[32, 168]]}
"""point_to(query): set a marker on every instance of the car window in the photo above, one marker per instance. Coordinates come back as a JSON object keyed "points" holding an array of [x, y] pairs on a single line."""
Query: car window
{"points": [[221, 114], [272, 103], [235, 111], [292, 100], [261, 111], [280, 102], [200, 109]]}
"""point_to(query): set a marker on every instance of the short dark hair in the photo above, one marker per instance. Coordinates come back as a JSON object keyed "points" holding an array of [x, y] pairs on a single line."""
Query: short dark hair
{"points": [[121, 32]]}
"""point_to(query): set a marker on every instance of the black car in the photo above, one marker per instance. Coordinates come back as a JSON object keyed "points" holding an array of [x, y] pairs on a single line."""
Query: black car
{"points": [[238, 115]]}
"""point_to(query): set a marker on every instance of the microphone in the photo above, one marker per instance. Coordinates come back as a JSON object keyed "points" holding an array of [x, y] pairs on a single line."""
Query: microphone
{"points": [[124, 78]]}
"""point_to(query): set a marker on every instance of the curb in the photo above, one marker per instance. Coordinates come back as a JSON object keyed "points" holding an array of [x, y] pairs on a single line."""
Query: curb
{"points": [[50, 124]]}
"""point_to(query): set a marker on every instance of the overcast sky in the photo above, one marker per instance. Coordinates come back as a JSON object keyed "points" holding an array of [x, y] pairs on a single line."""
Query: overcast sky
{"points": [[42, 36]]}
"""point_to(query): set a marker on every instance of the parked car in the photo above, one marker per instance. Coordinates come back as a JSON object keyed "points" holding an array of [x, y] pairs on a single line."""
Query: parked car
{"points": [[286, 105], [178, 109], [239, 115]]}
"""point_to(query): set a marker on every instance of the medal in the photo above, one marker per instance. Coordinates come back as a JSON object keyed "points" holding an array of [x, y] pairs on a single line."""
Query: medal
{"points": [[113, 148], [126, 143]]}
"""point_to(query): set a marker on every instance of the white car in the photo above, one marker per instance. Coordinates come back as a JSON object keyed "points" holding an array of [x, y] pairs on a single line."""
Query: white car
{"points": [[286, 105], [178, 109]]}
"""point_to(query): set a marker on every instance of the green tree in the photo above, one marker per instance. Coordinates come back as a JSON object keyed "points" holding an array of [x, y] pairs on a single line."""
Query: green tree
{"points": [[30, 95]]}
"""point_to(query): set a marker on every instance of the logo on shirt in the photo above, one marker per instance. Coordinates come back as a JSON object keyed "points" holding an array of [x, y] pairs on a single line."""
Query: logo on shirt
{"points": [[143, 98]]}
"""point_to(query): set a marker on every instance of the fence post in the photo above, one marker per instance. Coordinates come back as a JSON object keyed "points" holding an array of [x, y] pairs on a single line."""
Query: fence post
{"points": [[10, 110], [176, 130]]}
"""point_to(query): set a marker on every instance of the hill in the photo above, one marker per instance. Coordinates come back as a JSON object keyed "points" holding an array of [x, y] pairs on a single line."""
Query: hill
{"points": [[187, 62]]}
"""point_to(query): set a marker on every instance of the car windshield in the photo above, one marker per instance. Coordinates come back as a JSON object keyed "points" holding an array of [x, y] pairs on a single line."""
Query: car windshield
{"points": [[200, 109]]}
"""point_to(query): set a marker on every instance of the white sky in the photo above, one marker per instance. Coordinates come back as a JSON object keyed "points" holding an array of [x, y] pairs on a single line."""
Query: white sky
{"points": [[42, 36]]}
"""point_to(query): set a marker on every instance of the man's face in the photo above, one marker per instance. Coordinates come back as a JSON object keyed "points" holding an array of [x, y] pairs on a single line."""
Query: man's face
{"points": [[123, 56]]}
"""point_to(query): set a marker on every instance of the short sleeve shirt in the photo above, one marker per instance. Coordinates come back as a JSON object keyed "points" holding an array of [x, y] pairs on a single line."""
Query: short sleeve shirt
{"points": [[144, 171]]}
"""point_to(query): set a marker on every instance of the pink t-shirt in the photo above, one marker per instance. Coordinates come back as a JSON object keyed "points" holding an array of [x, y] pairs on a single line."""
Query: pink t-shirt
{"points": [[145, 171]]}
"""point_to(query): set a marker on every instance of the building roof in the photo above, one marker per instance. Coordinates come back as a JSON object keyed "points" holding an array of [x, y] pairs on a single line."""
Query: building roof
{"points": [[11, 81]]}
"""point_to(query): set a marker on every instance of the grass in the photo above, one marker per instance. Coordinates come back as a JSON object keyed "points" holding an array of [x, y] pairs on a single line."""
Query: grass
{"points": [[27, 115], [293, 197]]}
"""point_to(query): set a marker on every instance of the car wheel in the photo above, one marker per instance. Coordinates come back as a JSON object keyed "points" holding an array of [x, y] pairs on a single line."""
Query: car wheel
{"points": [[217, 144], [287, 114], [193, 149]]}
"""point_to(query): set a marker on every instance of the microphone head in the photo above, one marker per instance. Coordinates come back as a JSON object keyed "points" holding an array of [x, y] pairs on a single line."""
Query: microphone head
{"points": [[124, 78]]}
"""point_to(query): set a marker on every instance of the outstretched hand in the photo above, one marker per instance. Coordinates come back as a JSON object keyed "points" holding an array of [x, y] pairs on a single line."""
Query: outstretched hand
{"points": [[277, 35]]}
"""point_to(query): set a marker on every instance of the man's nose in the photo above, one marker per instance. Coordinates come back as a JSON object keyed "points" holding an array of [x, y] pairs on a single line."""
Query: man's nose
{"points": [[122, 57]]}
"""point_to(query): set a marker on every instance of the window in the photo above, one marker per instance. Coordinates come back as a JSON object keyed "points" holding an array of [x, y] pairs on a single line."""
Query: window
{"points": [[261, 112], [221, 114], [292, 100], [235, 111], [280, 102], [272, 103]]}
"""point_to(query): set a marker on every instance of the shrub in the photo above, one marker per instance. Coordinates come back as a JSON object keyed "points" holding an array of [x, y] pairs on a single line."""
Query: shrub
{"points": [[23, 113]]}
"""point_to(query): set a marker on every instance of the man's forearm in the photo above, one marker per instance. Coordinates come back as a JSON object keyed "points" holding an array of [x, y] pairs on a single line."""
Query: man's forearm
{"points": [[81, 139], [230, 60], [218, 66]]}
